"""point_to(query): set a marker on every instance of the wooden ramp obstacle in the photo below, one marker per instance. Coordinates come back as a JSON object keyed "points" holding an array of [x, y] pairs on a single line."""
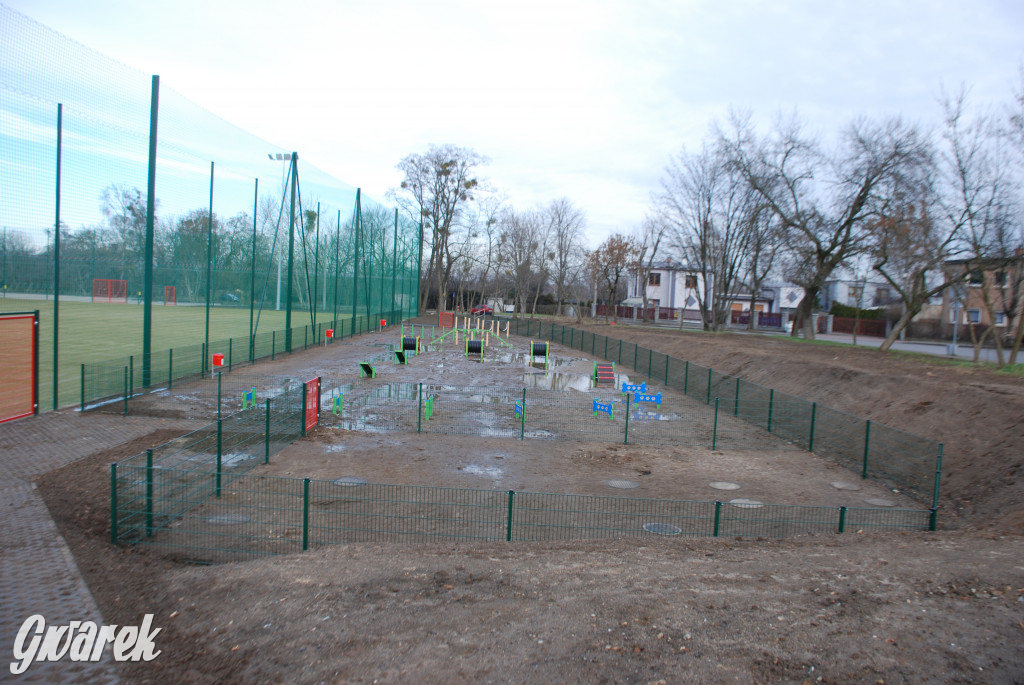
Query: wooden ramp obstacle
{"points": [[604, 373]]}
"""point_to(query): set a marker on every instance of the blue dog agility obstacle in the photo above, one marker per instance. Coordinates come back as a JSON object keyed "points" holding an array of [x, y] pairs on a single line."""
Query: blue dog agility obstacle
{"points": [[634, 387], [608, 408], [641, 397]]}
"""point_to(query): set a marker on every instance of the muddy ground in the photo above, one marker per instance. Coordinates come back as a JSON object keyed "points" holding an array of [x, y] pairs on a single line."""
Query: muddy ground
{"points": [[893, 608]]}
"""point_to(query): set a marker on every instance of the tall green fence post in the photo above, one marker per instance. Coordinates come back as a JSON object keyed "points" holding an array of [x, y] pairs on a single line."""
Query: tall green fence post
{"points": [[149, 493], [636, 354], [686, 377], [266, 436], [419, 410], [305, 514], [273, 344], [814, 413], [131, 376], [218, 395], [126, 391], [938, 478], [522, 418], [620, 353], [842, 519], [220, 453], [771, 406], [867, 446], [666, 370], [714, 433], [650, 363], [508, 524], [170, 367], [82, 407], [230, 340], [113, 503], [606, 347], [625, 440], [718, 516], [202, 362], [304, 391]]}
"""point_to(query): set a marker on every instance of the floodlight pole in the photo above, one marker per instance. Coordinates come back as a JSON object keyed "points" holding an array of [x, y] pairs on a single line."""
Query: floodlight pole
{"points": [[291, 252], [147, 288]]}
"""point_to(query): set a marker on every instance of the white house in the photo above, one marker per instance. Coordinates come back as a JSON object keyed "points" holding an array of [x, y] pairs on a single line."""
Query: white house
{"points": [[857, 292], [669, 284]]}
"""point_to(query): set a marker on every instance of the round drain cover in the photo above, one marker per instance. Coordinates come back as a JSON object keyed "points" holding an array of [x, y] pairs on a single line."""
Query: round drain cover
{"points": [[228, 519], [662, 529], [746, 503], [622, 484], [724, 485], [880, 502], [350, 481], [842, 485]]}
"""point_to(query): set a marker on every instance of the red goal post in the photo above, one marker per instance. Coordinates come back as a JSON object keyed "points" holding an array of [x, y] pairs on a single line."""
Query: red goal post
{"points": [[109, 290], [19, 359], [169, 295]]}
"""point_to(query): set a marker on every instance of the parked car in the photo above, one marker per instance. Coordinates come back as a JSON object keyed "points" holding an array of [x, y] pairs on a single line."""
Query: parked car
{"points": [[229, 297], [483, 310]]}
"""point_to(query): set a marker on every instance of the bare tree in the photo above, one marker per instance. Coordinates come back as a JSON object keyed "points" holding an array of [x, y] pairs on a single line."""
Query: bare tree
{"points": [[519, 249], [436, 188], [713, 212], [612, 261], [566, 224], [823, 200], [648, 241]]}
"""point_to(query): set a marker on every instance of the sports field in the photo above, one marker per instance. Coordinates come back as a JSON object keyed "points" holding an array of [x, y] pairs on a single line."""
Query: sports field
{"points": [[93, 332]]}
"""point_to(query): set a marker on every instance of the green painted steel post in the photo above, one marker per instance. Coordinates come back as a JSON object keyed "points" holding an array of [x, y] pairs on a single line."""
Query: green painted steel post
{"points": [[606, 347], [938, 477], [593, 344], [305, 514], [867, 447], [686, 377], [708, 401], [82, 407], [202, 362], [736, 407], [842, 519], [266, 436], [522, 419], [814, 413], [230, 340], [170, 368], [113, 503], [304, 390], [131, 376], [771, 407], [218, 395], [650, 363], [126, 391], [718, 516], [273, 344], [220, 453], [508, 524], [666, 369], [419, 410], [149, 493], [636, 356], [625, 440], [933, 519], [620, 353], [714, 434]]}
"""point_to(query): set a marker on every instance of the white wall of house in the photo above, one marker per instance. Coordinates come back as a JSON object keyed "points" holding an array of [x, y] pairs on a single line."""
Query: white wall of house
{"points": [[846, 292], [670, 284]]}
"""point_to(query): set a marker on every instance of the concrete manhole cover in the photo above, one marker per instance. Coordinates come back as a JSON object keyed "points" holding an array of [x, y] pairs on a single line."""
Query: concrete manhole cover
{"points": [[724, 485], [350, 481], [843, 485], [662, 529], [880, 502], [622, 484], [228, 519], [746, 503]]}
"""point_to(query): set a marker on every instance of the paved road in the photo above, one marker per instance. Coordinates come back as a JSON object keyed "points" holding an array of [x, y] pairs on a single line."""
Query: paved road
{"points": [[940, 349]]}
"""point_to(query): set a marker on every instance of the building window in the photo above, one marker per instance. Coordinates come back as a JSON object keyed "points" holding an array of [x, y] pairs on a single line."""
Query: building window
{"points": [[691, 281], [1000, 278], [1000, 318], [654, 278], [976, 277], [881, 296], [973, 315]]}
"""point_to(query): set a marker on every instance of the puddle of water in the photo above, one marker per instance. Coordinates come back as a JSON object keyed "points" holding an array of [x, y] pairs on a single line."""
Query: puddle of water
{"points": [[487, 471]]}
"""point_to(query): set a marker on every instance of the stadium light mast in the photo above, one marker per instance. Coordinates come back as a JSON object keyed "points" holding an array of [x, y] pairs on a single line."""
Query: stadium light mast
{"points": [[286, 160]]}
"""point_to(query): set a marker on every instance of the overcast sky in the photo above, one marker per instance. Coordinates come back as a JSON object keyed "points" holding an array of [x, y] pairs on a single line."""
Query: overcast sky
{"points": [[584, 100]]}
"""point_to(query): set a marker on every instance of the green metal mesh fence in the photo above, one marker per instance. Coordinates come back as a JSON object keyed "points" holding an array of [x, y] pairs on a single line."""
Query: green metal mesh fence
{"points": [[250, 515], [242, 245]]}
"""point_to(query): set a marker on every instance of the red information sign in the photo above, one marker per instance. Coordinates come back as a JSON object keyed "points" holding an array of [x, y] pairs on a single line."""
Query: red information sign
{"points": [[312, 402]]}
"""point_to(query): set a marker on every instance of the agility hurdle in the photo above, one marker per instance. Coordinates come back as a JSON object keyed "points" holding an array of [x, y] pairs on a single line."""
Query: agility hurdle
{"points": [[634, 387], [641, 415], [519, 410], [367, 370], [248, 399], [542, 350], [608, 409], [401, 357], [338, 405], [641, 397], [428, 408]]}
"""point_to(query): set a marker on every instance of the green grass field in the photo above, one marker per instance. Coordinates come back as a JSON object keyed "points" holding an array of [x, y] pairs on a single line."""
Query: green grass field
{"points": [[95, 332]]}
